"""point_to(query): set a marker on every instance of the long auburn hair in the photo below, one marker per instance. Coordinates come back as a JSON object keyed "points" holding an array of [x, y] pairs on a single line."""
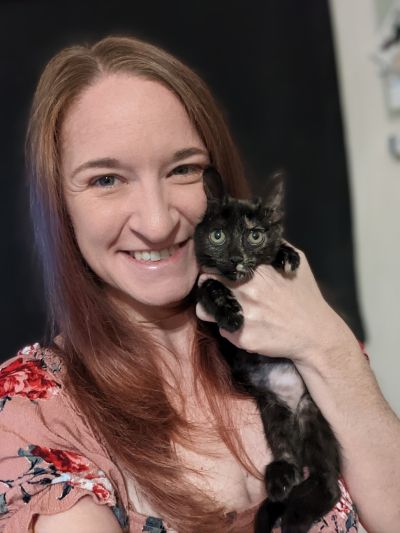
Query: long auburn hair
{"points": [[134, 417]]}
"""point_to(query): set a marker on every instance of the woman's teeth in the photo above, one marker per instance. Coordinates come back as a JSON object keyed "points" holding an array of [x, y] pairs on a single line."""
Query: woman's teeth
{"points": [[154, 255]]}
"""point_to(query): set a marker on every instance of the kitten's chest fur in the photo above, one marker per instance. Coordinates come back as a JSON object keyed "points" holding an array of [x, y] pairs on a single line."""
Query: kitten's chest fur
{"points": [[285, 382], [266, 375], [281, 378]]}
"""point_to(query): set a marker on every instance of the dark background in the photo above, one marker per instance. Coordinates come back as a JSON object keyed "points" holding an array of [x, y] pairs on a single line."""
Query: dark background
{"points": [[271, 66]]}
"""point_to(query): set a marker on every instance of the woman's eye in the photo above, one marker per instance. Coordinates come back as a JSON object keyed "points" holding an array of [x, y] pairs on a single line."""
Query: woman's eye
{"points": [[256, 236], [194, 172], [217, 236], [105, 181]]}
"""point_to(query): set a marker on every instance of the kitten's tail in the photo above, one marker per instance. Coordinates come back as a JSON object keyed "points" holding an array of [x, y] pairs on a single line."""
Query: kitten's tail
{"points": [[267, 515]]}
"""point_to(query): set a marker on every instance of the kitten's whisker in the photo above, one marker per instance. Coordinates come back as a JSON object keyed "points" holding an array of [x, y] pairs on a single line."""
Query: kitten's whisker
{"points": [[264, 274]]}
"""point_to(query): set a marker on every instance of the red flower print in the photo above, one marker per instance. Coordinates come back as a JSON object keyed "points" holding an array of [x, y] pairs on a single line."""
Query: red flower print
{"points": [[63, 461], [28, 378], [101, 492], [64, 468]]}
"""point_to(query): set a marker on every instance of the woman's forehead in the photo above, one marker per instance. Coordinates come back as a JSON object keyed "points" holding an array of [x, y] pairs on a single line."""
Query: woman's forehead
{"points": [[122, 112], [123, 97]]}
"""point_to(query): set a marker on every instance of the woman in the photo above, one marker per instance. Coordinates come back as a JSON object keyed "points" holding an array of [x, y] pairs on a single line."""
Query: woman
{"points": [[130, 405]]}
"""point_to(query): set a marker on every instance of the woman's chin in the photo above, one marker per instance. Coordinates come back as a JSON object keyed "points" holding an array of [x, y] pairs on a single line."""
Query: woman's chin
{"points": [[169, 301], [152, 302]]}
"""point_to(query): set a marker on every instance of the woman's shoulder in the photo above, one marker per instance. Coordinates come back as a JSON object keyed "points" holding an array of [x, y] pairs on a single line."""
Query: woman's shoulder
{"points": [[34, 373], [49, 456]]}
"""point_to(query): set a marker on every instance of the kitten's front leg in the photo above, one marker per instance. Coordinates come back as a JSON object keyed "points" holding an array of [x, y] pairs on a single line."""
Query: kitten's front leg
{"points": [[219, 302], [286, 259]]}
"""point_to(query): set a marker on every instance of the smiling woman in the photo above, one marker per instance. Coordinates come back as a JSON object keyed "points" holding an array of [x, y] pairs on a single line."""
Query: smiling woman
{"points": [[130, 405], [119, 137]]}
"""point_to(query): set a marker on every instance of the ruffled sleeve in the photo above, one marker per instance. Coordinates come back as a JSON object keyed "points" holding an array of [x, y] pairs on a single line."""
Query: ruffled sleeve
{"points": [[48, 458]]}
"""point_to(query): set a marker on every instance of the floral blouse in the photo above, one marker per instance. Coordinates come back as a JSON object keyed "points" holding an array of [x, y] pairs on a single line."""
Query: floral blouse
{"points": [[50, 458]]}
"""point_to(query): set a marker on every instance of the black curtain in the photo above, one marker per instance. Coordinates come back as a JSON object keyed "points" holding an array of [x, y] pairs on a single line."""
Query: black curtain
{"points": [[271, 66]]}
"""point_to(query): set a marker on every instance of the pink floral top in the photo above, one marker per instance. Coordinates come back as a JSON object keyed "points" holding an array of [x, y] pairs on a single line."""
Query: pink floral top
{"points": [[50, 458]]}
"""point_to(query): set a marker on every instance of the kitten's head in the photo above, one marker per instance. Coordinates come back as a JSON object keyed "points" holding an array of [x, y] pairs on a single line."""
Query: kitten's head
{"points": [[235, 236]]}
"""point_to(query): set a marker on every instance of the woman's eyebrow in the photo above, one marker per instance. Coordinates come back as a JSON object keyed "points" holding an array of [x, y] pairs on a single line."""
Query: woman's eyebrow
{"points": [[104, 162], [187, 152], [111, 162]]}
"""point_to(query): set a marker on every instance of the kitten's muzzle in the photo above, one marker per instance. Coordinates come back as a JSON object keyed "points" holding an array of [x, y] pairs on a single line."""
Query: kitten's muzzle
{"points": [[242, 269], [242, 272]]}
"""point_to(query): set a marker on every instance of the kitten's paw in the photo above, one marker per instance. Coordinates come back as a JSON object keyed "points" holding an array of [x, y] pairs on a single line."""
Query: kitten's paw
{"points": [[287, 259], [230, 316], [280, 478], [220, 302]]}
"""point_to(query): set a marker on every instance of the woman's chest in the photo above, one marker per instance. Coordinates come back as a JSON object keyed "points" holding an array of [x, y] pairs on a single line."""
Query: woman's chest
{"points": [[213, 468], [221, 475]]}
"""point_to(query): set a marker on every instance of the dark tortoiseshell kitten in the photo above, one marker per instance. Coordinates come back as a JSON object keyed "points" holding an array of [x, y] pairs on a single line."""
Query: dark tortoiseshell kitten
{"points": [[234, 237]]}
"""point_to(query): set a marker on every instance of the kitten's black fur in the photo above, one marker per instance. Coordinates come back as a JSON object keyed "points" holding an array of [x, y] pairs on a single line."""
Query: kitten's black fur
{"points": [[234, 237]]}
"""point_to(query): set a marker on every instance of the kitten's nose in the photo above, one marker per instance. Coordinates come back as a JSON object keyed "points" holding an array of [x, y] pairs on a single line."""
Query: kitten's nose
{"points": [[235, 259]]}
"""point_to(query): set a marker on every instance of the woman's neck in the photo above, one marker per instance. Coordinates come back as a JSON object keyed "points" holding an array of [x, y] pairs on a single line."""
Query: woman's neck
{"points": [[172, 327]]}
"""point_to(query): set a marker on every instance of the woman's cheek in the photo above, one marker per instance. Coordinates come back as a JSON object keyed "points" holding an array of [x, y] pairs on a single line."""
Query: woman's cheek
{"points": [[193, 202]]}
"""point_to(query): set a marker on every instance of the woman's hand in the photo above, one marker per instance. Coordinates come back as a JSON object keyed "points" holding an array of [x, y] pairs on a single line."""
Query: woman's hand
{"points": [[285, 315]]}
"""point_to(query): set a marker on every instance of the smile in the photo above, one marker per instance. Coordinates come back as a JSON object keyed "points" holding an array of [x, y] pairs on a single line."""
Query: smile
{"points": [[156, 255]]}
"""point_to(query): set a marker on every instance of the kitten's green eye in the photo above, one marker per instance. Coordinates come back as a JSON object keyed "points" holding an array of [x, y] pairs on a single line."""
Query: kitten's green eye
{"points": [[217, 236], [256, 236]]}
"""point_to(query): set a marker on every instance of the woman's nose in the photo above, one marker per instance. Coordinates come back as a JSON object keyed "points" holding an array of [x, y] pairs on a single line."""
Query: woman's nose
{"points": [[154, 216]]}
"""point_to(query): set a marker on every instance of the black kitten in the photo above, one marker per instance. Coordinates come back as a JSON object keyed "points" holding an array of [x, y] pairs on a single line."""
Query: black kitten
{"points": [[234, 237]]}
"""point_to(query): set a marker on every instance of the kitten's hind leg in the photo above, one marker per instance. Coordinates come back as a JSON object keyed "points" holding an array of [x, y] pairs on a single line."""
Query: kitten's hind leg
{"points": [[285, 471], [267, 515], [219, 302], [317, 495], [286, 259]]}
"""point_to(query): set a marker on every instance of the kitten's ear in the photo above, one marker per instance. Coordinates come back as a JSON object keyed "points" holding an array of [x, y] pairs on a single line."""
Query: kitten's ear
{"points": [[213, 185], [274, 199]]}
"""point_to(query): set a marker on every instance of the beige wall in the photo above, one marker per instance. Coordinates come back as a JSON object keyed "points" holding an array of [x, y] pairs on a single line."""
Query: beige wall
{"points": [[375, 186]]}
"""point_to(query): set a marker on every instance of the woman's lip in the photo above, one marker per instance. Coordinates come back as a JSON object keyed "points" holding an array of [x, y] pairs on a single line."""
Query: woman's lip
{"points": [[154, 265], [179, 244]]}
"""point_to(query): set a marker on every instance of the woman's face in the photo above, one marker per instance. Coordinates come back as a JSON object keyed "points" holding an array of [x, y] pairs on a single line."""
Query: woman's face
{"points": [[132, 173]]}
